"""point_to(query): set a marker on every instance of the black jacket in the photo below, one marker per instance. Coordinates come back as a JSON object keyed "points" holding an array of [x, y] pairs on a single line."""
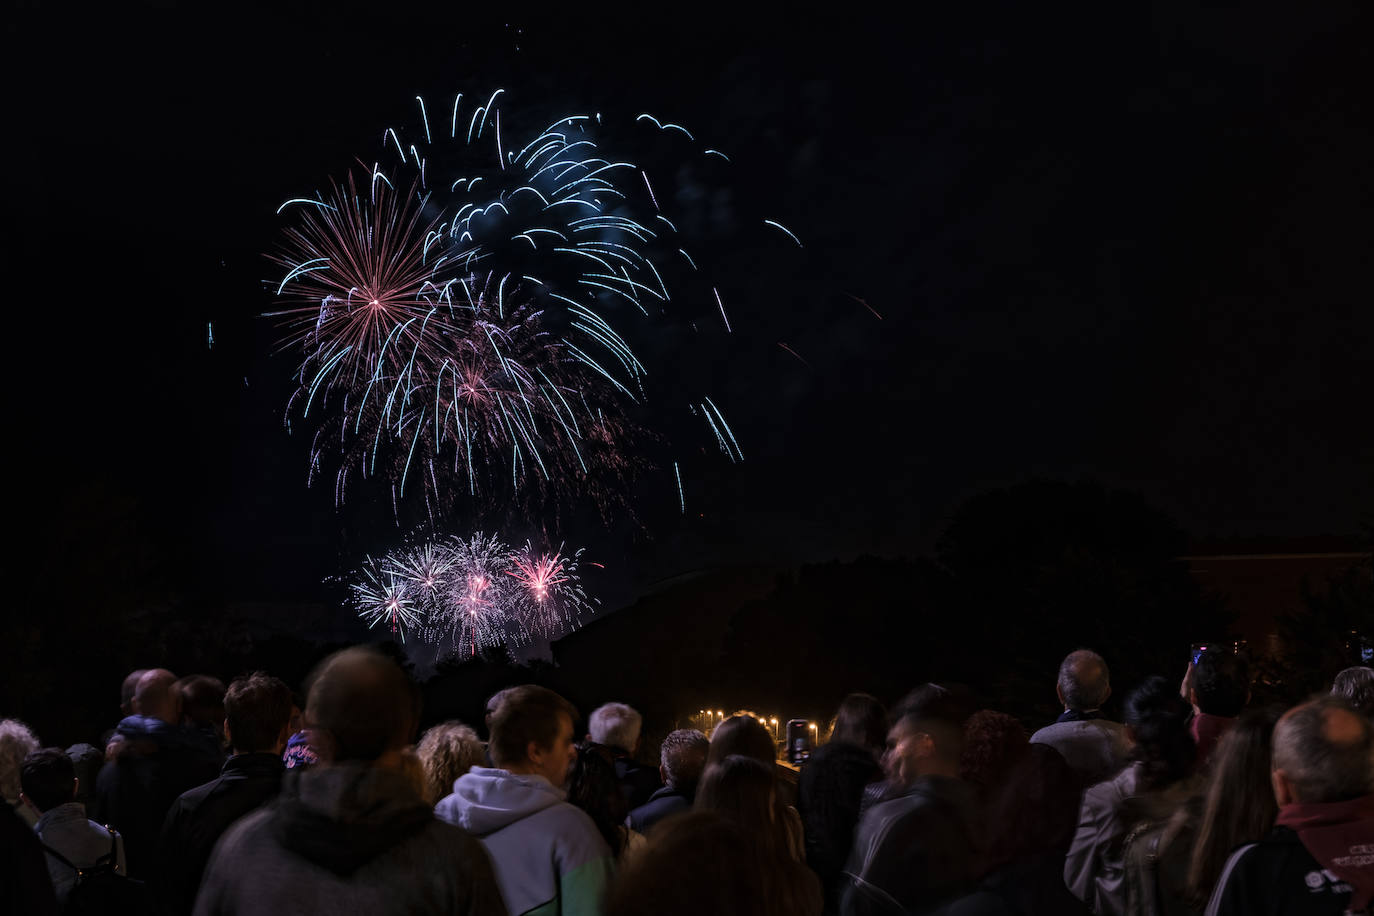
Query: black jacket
{"points": [[199, 817], [156, 762], [829, 790], [914, 853], [662, 803], [1277, 875], [637, 781]]}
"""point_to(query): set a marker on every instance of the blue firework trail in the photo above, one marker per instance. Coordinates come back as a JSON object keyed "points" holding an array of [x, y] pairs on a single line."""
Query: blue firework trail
{"points": [[464, 312]]}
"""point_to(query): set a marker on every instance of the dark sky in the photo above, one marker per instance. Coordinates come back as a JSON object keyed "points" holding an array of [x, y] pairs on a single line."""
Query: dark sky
{"points": [[1119, 242]]}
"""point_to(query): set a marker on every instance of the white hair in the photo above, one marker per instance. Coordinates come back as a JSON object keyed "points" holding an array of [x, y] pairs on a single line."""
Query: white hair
{"points": [[615, 725], [17, 741]]}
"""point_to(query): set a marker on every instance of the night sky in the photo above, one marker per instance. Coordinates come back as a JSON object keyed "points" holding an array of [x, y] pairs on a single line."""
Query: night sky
{"points": [[1122, 243]]}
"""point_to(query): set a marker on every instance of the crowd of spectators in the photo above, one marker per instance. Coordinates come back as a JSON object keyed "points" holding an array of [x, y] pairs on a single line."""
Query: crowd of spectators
{"points": [[214, 800]]}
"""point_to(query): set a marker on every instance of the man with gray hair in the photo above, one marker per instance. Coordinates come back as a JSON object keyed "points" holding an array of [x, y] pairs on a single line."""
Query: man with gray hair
{"points": [[1094, 747], [1356, 686], [616, 726], [1319, 858], [682, 759]]}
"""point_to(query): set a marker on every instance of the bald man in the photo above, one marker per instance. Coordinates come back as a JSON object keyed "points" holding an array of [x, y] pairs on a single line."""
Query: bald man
{"points": [[1319, 858], [154, 760], [1094, 746]]}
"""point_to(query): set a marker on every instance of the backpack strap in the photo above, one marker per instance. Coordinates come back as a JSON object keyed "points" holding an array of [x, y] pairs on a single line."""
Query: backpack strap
{"points": [[112, 857], [59, 857]]}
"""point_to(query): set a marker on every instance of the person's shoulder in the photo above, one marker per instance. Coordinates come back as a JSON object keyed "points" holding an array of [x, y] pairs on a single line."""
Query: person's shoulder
{"points": [[572, 826], [250, 831], [452, 840], [195, 796]]}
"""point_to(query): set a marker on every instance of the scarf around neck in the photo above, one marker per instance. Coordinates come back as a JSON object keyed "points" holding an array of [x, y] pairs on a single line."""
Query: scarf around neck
{"points": [[1340, 836]]}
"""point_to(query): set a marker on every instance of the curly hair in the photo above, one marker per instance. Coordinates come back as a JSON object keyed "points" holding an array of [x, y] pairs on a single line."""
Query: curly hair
{"points": [[446, 752], [994, 743], [17, 741]]}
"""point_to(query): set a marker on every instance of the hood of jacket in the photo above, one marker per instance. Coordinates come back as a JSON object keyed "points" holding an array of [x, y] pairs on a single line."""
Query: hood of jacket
{"points": [[485, 800], [341, 817]]}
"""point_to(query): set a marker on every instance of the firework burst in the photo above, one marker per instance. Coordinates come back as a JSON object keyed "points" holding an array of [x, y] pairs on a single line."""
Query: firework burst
{"points": [[473, 594], [551, 598], [381, 596], [464, 336]]}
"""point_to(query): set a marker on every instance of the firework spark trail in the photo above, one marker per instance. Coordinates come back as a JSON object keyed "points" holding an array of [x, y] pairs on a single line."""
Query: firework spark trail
{"points": [[550, 595], [381, 596], [462, 312], [472, 594]]}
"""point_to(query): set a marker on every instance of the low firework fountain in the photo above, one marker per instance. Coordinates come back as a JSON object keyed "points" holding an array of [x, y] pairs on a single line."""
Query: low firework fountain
{"points": [[470, 594]]}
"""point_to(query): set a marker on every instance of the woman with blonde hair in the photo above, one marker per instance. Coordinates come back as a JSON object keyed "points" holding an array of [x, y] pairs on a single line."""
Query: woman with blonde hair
{"points": [[447, 751]]}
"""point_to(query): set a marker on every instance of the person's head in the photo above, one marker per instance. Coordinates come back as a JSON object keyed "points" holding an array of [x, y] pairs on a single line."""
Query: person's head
{"points": [[1239, 803], [682, 757], [257, 714], [532, 732], [128, 689], [860, 720], [744, 790], [926, 738], [202, 701], [695, 863], [1221, 683], [742, 734], [157, 697], [16, 743], [447, 751], [1157, 722], [1084, 682], [593, 787], [994, 743], [360, 707], [1356, 687], [48, 778], [494, 703], [615, 725], [1323, 752], [87, 759]]}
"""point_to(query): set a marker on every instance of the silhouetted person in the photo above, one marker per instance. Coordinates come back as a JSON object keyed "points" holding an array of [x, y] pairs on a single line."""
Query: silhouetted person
{"points": [[257, 710], [17, 741], [920, 849], [1356, 687], [831, 786], [1319, 858], [24, 883], [1093, 745], [617, 726], [71, 840], [745, 735], [1238, 806], [88, 759], [1157, 724], [155, 759], [702, 862], [682, 757], [547, 853], [593, 787], [350, 834], [746, 791], [202, 708], [447, 751], [1218, 690]]}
